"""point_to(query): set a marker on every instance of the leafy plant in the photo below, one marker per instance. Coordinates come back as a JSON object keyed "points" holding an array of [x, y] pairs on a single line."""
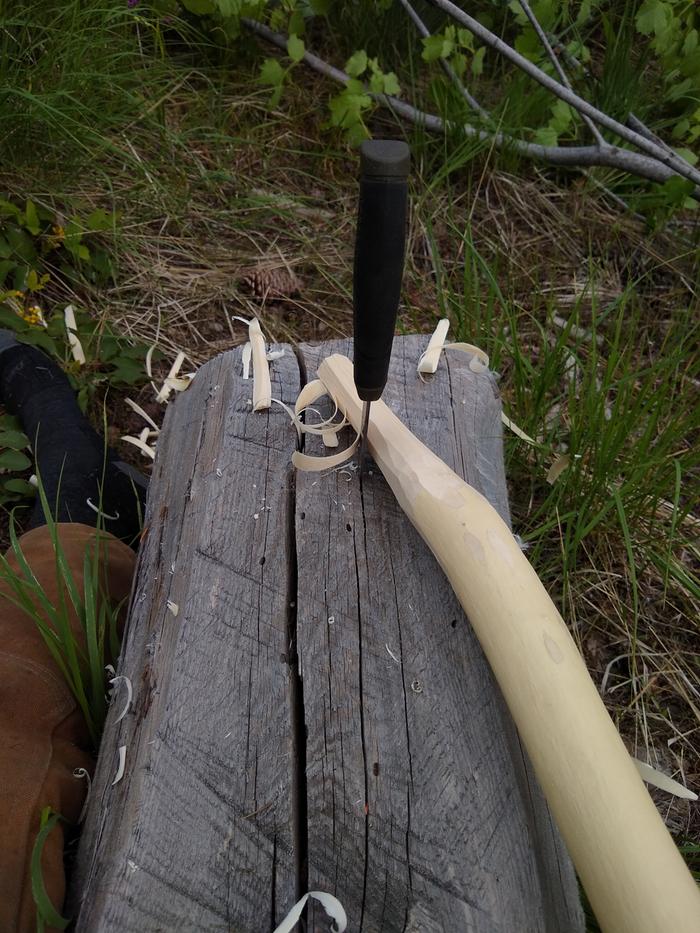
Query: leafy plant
{"points": [[13, 460]]}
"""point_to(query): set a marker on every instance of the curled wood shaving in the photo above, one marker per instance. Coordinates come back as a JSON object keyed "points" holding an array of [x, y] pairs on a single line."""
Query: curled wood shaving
{"points": [[557, 468], [120, 767], [173, 607], [149, 359], [139, 411], [663, 781], [121, 678], [273, 355], [428, 362], [76, 347], [81, 773], [330, 438], [147, 450], [330, 904], [312, 464], [171, 381]]}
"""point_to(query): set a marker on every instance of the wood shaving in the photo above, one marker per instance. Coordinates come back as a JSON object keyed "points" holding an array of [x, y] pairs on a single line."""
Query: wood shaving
{"points": [[663, 781], [139, 411], [330, 904], [173, 607], [245, 359], [428, 362], [81, 773], [262, 392], [122, 763], [76, 347], [557, 468], [121, 678], [171, 381], [145, 449]]}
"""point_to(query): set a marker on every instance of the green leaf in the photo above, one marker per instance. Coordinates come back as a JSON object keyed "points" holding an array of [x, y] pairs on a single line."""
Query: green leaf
{"points": [[478, 61], [690, 43], [99, 220], [546, 136], [562, 116], [8, 318], [297, 24], [10, 423], [200, 7], [272, 74], [320, 7], [45, 909], [8, 209], [5, 248], [690, 157], [21, 243], [347, 107], [465, 38], [19, 486], [356, 64], [391, 84], [14, 460], [128, 371], [6, 266], [437, 46], [295, 48], [31, 219], [37, 337], [16, 440]]}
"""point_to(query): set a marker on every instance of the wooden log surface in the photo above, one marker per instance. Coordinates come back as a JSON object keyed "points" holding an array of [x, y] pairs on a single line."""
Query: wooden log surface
{"points": [[318, 713]]}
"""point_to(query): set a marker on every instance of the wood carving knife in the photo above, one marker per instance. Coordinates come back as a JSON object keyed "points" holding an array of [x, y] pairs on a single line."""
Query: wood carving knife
{"points": [[378, 270]]}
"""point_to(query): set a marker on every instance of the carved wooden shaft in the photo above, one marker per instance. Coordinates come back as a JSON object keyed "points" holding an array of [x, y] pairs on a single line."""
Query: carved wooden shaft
{"points": [[632, 872]]}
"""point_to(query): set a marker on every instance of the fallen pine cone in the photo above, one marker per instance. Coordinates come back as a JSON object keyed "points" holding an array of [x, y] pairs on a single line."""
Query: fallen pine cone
{"points": [[266, 283]]}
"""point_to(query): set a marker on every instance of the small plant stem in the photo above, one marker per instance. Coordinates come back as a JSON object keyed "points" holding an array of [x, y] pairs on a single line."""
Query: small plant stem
{"points": [[541, 35]]}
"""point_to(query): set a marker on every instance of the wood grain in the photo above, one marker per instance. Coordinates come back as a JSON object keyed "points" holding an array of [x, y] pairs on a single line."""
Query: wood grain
{"points": [[198, 835], [422, 810], [318, 714]]}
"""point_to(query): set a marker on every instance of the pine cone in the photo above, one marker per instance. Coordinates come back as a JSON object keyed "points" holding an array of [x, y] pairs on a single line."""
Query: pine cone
{"points": [[271, 284]]}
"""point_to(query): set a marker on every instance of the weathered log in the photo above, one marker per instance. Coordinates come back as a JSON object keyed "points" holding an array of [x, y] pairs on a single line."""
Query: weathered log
{"points": [[318, 713]]}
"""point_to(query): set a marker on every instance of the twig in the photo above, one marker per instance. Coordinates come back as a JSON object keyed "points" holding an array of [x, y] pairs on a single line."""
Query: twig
{"points": [[446, 67], [572, 156], [541, 35], [660, 153]]}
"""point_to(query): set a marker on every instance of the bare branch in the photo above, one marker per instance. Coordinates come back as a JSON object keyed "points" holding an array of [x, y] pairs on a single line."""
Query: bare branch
{"points": [[541, 35], [673, 161], [572, 156], [446, 67]]}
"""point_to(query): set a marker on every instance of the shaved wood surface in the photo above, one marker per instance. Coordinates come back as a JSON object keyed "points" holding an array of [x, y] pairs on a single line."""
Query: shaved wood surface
{"points": [[389, 772]]}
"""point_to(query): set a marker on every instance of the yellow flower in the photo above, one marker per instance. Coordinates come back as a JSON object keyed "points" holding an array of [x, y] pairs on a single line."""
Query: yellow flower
{"points": [[32, 315]]}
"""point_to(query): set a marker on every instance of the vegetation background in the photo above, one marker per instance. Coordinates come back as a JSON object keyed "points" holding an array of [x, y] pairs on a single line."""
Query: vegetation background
{"points": [[163, 170]]}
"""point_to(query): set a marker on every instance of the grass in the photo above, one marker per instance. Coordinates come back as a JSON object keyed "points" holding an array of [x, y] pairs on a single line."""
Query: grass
{"points": [[590, 317], [81, 661]]}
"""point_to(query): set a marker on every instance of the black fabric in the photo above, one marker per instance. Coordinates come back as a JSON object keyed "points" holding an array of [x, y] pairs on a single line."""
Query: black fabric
{"points": [[72, 460]]}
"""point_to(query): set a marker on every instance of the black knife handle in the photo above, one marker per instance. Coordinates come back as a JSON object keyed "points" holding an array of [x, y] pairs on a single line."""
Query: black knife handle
{"points": [[379, 255]]}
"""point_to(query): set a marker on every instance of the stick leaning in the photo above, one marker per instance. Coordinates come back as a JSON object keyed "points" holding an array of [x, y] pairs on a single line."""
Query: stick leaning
{"points": [[630, 868]]}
